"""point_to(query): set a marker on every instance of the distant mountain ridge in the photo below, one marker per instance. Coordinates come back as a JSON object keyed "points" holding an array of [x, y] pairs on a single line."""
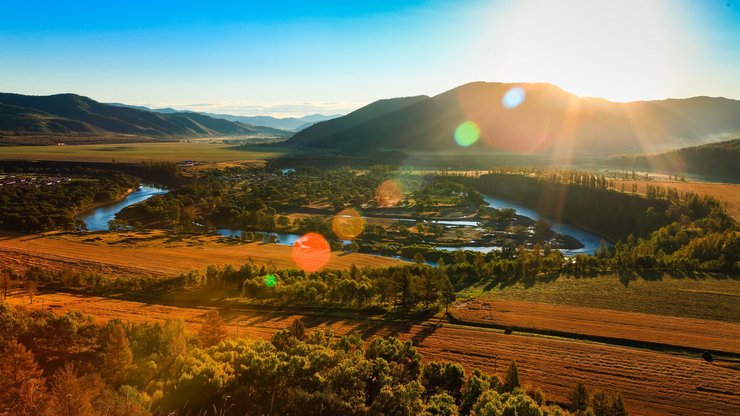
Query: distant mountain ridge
{"points": [[548, 120], [288, 123], [71, 115]]}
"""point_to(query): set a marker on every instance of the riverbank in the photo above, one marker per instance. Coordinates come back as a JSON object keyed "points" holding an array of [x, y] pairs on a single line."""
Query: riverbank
{"points": [[95, 205], [97, 219]]}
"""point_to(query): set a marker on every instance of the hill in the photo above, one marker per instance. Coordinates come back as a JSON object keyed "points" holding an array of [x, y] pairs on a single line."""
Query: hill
{"points": [[74, 117], [288, 123], [548, 120], [720, 160]]}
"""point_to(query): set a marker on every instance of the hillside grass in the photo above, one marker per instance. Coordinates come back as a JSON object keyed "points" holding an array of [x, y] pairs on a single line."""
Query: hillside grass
{"points": [[715, 297], [142, 152]]}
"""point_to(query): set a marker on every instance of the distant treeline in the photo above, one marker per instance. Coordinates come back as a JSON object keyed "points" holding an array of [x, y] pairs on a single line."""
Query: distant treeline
{"points": [[157, 173], [721, 160]]}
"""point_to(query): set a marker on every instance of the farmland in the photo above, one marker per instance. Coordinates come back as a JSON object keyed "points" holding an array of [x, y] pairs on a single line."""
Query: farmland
{"points": [[713, 297], [152, 253], [653, 383], [627, 326], [142, 152]]}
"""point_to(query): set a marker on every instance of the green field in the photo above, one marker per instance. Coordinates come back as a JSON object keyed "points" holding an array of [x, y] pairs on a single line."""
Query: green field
{"points": [[706, 297], [141, 152]]}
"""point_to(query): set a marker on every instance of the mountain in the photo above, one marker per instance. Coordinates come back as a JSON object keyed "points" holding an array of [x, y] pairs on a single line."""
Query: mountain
{"points": [[719, 160], [548, 120], [288, 123], [71, 115]]}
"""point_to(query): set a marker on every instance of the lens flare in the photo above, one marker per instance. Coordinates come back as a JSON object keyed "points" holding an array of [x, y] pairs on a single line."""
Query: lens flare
{"points": [[467, 133], [513, 98], [388, 194], [348, 224], [311, 252], [270, 280]]}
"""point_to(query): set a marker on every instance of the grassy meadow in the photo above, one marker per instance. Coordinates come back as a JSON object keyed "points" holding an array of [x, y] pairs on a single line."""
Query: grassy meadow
{"points": [[142, 152]]}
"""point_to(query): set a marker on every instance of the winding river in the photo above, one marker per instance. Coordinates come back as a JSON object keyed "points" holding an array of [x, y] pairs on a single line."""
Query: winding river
{"points": [[589, 240], [97, 219]]}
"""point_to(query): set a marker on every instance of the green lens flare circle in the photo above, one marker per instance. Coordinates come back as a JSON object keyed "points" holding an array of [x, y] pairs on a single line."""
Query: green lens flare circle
{"points": [[467, 133], [270, 280]]}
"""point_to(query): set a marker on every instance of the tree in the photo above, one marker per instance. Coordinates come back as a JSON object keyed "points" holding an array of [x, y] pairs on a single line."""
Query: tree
{"points": [[443, 378], [69, 394], [541, 230], [117, 357], [20, 380], [297, 329], [617, 405], [441, 405], [448, 293], [7, 275], [354, 247], [213, 329], [579, 397], [399, 400], [31, 287], [173, 342], [600, 403], [512, 378]]}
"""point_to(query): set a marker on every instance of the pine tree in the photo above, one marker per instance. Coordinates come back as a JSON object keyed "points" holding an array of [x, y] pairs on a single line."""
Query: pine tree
{"points": [[20, 380], [600, 403], [69, 394], [512, 377], [297, 329], [617, 406], [448, 293], [213, 329], [7, 274], [579, 397], [117, 356]]}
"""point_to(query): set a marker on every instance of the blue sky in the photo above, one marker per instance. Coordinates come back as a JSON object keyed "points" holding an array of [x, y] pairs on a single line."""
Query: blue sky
{"points": [[297, 57]]}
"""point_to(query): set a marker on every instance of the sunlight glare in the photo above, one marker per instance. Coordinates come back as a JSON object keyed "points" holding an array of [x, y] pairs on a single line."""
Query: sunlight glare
{"points": [[621, 51], [270, 280], [467, 133], [311, 252], [513, 98], [348, 224], [388, 194]]}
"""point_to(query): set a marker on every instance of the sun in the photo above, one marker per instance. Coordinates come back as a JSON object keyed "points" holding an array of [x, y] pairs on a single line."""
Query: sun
{"points": [[620, 50]]}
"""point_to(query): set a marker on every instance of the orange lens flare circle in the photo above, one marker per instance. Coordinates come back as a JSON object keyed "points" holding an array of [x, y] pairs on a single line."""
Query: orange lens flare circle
{"points": [[348, 224], [388, 194], [311, 252]]}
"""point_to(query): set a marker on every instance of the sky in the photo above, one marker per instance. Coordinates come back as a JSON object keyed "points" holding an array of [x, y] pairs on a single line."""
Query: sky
{"points": [[292, 58]]}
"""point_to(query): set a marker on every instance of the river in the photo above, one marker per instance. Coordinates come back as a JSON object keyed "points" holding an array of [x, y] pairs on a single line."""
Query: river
{"points": [[589, 240], [97, 219]]}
